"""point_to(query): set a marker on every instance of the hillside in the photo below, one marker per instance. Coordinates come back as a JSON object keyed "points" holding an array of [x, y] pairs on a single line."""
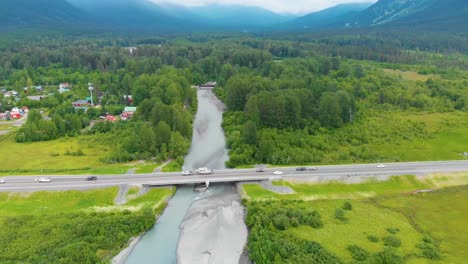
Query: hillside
{"points": [[39, 13], [427, 14], [333, 16]]}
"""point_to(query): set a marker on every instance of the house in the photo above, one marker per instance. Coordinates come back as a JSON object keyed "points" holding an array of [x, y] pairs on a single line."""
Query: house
{"points": [[111, 118], [15, 115], [64, 87], [128, 112], [38, 88], [36, 97], [25, 109], [12, 93], [128, 98], [81, 103]]}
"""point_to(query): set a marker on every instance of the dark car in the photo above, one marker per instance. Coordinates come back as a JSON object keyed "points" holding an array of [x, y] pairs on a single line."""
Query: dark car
{"points": [[301, 169], [91, 178]]}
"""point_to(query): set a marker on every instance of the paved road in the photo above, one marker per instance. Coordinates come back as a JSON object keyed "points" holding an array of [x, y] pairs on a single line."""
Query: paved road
{"points": [[66, 182]]}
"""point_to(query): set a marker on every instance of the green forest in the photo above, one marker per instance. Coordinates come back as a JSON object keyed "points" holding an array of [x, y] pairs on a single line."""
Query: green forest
{"points": [[328, 99]]}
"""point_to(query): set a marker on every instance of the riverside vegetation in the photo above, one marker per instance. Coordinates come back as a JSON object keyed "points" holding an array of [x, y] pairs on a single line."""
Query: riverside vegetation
{"points": [[80, 226], [343, 225]]}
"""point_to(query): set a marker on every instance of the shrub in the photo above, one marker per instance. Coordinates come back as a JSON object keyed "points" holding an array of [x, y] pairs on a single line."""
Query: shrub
{"points": [[373, 239], [347, 206], [392, 241], [340, 214], [358, 253], [393, 230], [388, 256]]}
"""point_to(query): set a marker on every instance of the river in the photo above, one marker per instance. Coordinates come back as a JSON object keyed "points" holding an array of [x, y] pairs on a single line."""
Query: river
{"points": [[199, 228]]}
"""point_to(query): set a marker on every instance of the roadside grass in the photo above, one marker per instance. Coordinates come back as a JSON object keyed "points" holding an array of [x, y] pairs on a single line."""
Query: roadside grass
{"points": [[441, 214], [364, 220], [155, 194], [410, 75], [14, 204], [50, 154], [147, 168], [173, 166]]}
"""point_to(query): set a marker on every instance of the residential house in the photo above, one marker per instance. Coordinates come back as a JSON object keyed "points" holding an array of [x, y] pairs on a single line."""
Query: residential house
{"points": [[36, 97], [81, 104], [111, 118], [128, 112], [64, 87]]}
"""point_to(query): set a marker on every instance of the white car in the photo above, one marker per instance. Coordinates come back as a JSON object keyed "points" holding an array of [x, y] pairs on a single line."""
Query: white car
{"points": [[44, 179], [185, 173], [277, 172], [381, 166], [2, 181]]}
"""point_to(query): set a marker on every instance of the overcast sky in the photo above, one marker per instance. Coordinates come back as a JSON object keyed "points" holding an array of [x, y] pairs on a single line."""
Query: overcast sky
{"points": [[280, 6]]}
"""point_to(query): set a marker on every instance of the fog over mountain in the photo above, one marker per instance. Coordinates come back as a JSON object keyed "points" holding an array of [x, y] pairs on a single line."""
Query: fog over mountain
{"points": [[237, 15]]}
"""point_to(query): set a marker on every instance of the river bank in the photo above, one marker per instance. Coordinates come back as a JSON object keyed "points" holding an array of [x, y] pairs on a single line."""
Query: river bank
{"points": [[213, 230]]}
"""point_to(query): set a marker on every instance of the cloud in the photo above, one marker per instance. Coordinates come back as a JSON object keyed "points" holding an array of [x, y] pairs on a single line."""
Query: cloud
{"points": [[279, 6]]}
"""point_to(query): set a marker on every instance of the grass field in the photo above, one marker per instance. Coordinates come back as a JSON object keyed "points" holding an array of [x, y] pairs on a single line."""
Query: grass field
{"points": [[441, 214], [364, 220], [50, 154], [410, 75], [73, 226], [382, 209], [13, 204], [370, 188]]}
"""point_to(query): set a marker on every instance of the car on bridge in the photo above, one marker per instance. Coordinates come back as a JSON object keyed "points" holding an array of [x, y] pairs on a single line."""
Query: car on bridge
{"points": [[91, 178], [204, 170], [381, 166], [277, 172], [301, 169], [187, 173], [313, 168], [2, 180]]}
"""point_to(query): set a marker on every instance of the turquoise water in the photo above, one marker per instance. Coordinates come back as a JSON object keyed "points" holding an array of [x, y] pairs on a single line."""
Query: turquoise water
{"points": [[159, 244]]}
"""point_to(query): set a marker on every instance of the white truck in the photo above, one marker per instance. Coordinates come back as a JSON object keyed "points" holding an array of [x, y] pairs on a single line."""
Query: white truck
{"points": [[204, 170]]}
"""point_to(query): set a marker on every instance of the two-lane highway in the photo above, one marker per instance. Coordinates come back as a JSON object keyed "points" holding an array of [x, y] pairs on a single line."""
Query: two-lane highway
{"points": [[67, 182]]}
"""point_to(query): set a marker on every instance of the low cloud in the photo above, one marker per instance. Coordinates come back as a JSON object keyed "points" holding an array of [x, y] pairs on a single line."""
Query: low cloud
{"points": [[279, 6]]}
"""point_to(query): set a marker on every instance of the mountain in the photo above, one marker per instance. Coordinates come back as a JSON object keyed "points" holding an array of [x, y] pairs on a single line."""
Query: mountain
{"points": [[329, 17], [39, 14], [237, 15], [129, 14], [413, 13]]}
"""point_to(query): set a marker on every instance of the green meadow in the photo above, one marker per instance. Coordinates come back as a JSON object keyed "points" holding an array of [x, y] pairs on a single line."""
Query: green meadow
{"points": [[372, 221], [83, 226]]}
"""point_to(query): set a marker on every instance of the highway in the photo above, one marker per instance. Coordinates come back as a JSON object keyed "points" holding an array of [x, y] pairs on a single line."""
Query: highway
{"points": [[68, 182]]}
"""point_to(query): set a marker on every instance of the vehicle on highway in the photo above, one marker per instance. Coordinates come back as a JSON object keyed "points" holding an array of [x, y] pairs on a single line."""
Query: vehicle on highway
{"points": [[2, 181], [44, 179], [187, 172], [91, 178], [312, 168], [277, 172], [204, 170], [260, 167], [381, 166], [301, 169]]}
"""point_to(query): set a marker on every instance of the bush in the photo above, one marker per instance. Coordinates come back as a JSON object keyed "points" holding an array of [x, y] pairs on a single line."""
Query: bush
{"points": [[358, 253], [393, 230], [392, 241], [347, 206], [428, 249], [340, 214], [373, 239], [388, 256]]}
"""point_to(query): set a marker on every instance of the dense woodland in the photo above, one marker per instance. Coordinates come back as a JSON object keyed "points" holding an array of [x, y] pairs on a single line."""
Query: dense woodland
{"points": [[289, 102]]}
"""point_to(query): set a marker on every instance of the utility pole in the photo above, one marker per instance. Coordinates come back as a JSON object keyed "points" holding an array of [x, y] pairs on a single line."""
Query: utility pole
{"points": [[91, 88]]}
